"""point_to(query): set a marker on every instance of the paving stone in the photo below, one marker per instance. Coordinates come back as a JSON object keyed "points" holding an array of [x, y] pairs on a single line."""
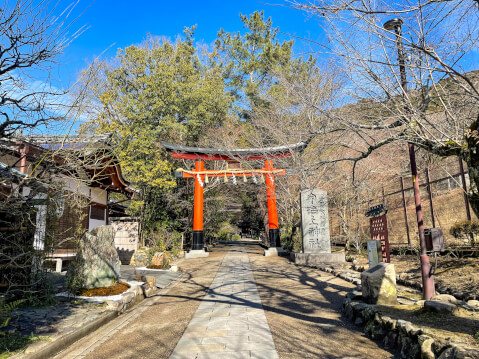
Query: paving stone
{"points": [[237, 310], [205, 334], [225, 355], [260, 338], [228, 326], [199, 348], [231, 312], [234, 333], [196, 329], [264, 354], [191, 341], [253, 346], [219, 314], [205, 310], [225, 340]]}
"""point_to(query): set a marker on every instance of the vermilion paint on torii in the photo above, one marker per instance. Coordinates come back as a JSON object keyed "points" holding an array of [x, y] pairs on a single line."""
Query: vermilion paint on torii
{"points": [[201, 174]]}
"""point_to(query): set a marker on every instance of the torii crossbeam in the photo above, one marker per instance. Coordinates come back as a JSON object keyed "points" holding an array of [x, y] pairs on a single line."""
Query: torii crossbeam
{"points": [[201, 176]]}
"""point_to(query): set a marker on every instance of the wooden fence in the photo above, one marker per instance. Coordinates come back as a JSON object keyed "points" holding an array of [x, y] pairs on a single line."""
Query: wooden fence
{"points": [[444, 202]]}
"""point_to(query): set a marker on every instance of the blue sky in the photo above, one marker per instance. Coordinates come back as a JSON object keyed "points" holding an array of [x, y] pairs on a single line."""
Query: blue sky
{"points": [[117, 24]]}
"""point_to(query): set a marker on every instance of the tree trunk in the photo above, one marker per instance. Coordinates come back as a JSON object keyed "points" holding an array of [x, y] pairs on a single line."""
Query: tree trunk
{"points": [[472, 159]]}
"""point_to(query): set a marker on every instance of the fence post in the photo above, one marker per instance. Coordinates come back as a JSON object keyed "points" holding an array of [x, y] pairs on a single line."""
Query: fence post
{"points": [[429, 192], [405, 212], [464, 188]]}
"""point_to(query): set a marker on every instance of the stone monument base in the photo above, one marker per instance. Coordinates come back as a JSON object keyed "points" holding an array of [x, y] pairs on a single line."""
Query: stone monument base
{"points": [[197, 253], [274, 252], [311, 259], [379, 284]]}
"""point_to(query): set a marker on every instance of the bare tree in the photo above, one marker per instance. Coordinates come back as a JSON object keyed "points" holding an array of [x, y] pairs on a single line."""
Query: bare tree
{"points": [[31, 38], [413, 82]]}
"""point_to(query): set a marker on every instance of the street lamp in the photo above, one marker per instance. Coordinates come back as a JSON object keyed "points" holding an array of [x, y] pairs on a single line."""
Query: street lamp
{"points": [[426, 270]]}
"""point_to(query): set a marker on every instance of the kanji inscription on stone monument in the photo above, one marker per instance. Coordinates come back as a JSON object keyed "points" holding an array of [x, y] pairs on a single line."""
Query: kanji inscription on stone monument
{"points": [[315, 222]]}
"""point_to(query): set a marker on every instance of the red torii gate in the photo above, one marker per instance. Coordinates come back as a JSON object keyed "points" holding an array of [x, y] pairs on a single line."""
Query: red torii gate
{"points": [[201, 176]]}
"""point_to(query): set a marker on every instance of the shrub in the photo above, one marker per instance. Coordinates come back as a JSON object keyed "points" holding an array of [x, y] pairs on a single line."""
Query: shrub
{"points": [[236, 237], [224, 235], [465, 230], [286, 239], [163, 240], [6, 311]]}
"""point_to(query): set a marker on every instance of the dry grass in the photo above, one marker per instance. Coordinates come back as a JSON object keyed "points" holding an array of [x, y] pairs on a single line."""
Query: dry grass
{"points": [[106, 291], [449, 208], [458, 274], [461, 327]]}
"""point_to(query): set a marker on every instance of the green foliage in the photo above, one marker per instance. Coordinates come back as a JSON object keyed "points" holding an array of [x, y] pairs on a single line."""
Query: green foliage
{"points": [[215, 214], [250, 58], [6, 312], [226, 231], [251, 214], [75, 280], [163, 240], [11, 344], [235, 237], [224, 235], [476, 336], [465, 230], [157, 91], [402, 250], [285, 240], [17, 253], [42, 293], [291, 239], [253, 59]]}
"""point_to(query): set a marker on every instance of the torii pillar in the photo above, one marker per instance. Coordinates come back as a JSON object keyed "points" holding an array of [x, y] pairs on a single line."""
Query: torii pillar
{"points": [[274, 237], [200, 175], [198, 250]]}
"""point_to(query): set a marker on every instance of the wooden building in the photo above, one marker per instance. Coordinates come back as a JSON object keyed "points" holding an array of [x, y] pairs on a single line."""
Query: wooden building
{"points": [[74, 177]]}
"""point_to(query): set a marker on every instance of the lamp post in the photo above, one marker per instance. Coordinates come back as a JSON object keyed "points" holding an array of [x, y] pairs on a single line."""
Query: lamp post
{"points": [[426, 270]]}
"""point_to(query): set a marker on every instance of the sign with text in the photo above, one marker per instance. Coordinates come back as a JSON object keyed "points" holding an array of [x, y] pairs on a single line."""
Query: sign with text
{"points": [[378, 227], [374, 252], [315, 221]]}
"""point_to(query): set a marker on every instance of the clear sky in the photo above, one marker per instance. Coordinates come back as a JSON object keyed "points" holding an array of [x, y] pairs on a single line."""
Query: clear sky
{"points": [[120, 23]]}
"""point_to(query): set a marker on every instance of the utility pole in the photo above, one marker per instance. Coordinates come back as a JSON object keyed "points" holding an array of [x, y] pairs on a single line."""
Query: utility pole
{"points": [[428, 289]]}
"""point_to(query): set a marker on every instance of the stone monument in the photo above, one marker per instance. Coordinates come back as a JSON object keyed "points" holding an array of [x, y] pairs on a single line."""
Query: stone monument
{"points": [[315, 230], [97, 263], [374, 252]]}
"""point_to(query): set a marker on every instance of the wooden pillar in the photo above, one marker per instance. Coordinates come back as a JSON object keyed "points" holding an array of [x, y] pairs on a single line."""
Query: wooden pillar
{"points": [[24, 149], [429, 192], [464, 189], [274, 239], [198, 208], [405, 213], [426, 272]]}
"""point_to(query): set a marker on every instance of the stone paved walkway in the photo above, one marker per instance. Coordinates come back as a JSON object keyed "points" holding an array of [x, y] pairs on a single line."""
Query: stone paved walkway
{"points": [[230, 321], [56, 320], [214, 311], [163, 278]]}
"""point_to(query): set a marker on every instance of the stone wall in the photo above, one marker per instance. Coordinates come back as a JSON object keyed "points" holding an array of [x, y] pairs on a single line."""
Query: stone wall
{"points": [[126, 239], [410, 340]]}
